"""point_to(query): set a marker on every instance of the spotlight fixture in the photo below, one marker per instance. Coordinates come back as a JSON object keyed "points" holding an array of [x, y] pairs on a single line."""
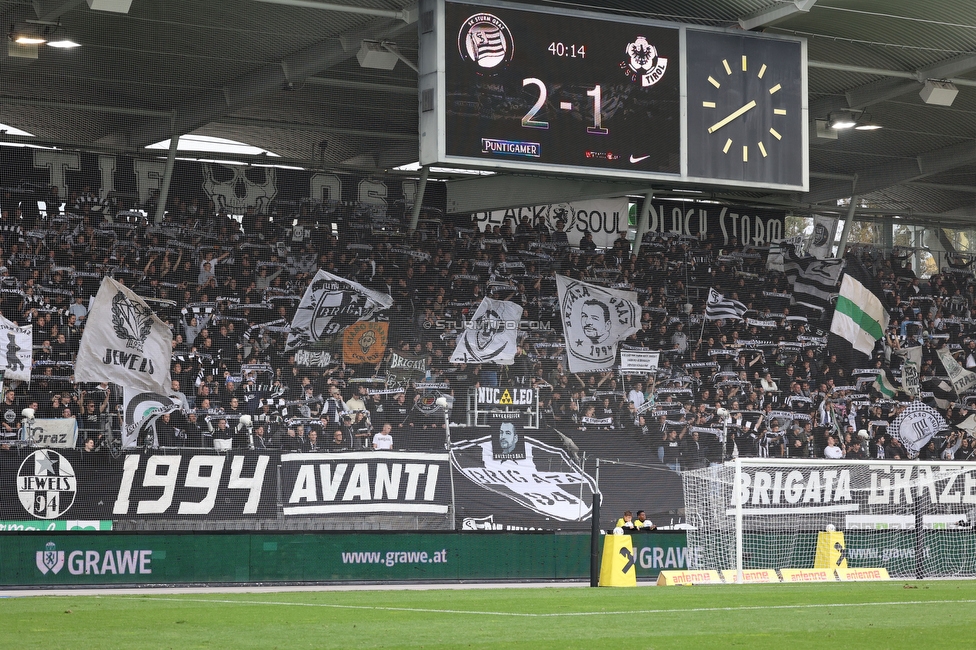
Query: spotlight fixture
{"points": [[841, 120], [866, 123], [41, 33]]}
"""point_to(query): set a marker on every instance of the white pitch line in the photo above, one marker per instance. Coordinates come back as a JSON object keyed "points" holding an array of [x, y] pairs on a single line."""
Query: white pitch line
{"points": [[565, 614]]}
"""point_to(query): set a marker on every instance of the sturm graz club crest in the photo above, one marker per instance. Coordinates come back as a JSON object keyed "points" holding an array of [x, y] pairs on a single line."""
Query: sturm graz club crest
{"points": [[50, 559], [131, 321], [46, 484], [484, 41], [643, 63]]}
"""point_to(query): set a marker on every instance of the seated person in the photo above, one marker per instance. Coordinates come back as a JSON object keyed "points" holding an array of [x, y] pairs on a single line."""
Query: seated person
{"points": [[627, 521], [642, 523]]}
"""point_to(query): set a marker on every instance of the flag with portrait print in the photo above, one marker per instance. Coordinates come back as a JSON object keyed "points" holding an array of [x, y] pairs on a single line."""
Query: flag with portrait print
{"points": [[595, 319]]}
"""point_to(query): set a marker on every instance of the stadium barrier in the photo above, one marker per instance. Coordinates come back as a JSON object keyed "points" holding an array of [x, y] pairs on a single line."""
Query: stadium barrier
{"points": [[59, 557]]}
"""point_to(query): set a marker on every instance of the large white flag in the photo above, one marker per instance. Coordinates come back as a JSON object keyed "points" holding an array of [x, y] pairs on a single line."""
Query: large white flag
{"points": [[124, 342], [18, 350], [491, 335], [595, 320], [329, 305]]}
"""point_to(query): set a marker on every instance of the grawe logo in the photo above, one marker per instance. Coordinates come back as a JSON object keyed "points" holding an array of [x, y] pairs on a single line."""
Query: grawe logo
{"points": [[91, 562], [50, 559]]}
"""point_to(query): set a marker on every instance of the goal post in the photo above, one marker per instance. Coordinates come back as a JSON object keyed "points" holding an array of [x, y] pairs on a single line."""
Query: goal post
{"points": [[914, 518]]}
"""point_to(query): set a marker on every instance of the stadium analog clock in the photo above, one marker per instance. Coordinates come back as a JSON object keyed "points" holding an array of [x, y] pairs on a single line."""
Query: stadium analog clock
{"points": [[746, 103]]}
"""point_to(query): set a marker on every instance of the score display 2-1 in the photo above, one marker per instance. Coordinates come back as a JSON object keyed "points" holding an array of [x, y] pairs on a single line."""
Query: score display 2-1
{"points": [[551, 88]]}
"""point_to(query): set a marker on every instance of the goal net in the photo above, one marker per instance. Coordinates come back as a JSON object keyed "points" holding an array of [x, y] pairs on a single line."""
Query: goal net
{"points": [[913, 518]]}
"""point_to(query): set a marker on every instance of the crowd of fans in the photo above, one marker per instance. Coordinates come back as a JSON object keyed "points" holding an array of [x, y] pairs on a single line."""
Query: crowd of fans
{"points": [[760, 386]]}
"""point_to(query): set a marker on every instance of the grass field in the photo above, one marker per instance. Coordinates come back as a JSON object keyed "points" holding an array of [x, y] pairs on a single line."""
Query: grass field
{"points": [[936, 614]]}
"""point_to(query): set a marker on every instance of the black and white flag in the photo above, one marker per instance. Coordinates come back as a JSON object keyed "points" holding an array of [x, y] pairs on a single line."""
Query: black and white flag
{"points": [[815, 281], [140, 410], [491, 335], [18, 350], [719, 307], [124, 342], [329, 305], [595, 320], [821, 241]]}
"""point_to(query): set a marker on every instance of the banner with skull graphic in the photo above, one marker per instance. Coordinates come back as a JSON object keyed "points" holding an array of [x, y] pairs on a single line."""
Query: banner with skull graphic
{"points": [[330, 305], [124, 342], [18, 350], [595, 320], [491, 336], [364, 342]]}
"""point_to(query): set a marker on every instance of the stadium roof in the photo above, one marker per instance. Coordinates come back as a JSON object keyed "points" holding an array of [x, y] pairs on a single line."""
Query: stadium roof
{"points": [[282, 75]]}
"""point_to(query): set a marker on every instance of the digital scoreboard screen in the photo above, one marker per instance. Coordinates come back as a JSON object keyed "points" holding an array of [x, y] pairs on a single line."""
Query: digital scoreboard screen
{"points": [[559, 90], [505, 86]]}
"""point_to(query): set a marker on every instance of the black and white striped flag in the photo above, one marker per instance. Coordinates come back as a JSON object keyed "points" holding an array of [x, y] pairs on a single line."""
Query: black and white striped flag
{"points": [[815, 281], [719, 307]]}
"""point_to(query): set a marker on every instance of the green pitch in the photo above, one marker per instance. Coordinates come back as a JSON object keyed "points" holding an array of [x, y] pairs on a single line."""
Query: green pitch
{"points": [[897, 614]]}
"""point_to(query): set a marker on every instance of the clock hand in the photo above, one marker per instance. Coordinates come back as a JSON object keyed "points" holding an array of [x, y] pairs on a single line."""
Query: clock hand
{"points": [[718, 125]]}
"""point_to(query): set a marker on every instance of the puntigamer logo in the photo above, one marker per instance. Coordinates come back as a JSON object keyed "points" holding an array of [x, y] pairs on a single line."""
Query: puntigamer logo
{"points": [[91, 562]]}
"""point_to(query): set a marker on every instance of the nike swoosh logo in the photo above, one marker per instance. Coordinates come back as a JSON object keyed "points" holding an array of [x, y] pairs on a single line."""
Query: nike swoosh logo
{"points": [[637, 159]]}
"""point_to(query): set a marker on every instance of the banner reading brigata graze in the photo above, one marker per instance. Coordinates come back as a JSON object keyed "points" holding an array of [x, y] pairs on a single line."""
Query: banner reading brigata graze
{"points": [[604, 218], [747, 224], [124, 342], [365, 482], [847, 495]]}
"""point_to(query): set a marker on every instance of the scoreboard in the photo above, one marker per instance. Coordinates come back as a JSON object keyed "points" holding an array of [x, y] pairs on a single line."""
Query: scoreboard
{"points": [[514, 87]]}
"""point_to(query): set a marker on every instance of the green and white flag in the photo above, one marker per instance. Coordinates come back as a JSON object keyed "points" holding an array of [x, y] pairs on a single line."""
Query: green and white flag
{"points": [[860, 316], [885, 384]]}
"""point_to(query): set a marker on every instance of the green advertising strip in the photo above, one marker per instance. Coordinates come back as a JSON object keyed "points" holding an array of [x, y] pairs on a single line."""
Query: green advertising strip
{"points": [[39, 559], [66, 558], [60, 524]]}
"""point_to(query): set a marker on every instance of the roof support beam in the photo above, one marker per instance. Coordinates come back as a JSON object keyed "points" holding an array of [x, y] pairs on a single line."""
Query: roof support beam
{"points": [[211, 105], [896, 172], [54, 9], [775, 13], [316, 128], [501, 192], [408, 15], [897, 84]]}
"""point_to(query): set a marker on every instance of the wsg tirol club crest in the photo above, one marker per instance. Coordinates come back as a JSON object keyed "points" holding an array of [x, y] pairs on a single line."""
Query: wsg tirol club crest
{"points": [[644, 63]]}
